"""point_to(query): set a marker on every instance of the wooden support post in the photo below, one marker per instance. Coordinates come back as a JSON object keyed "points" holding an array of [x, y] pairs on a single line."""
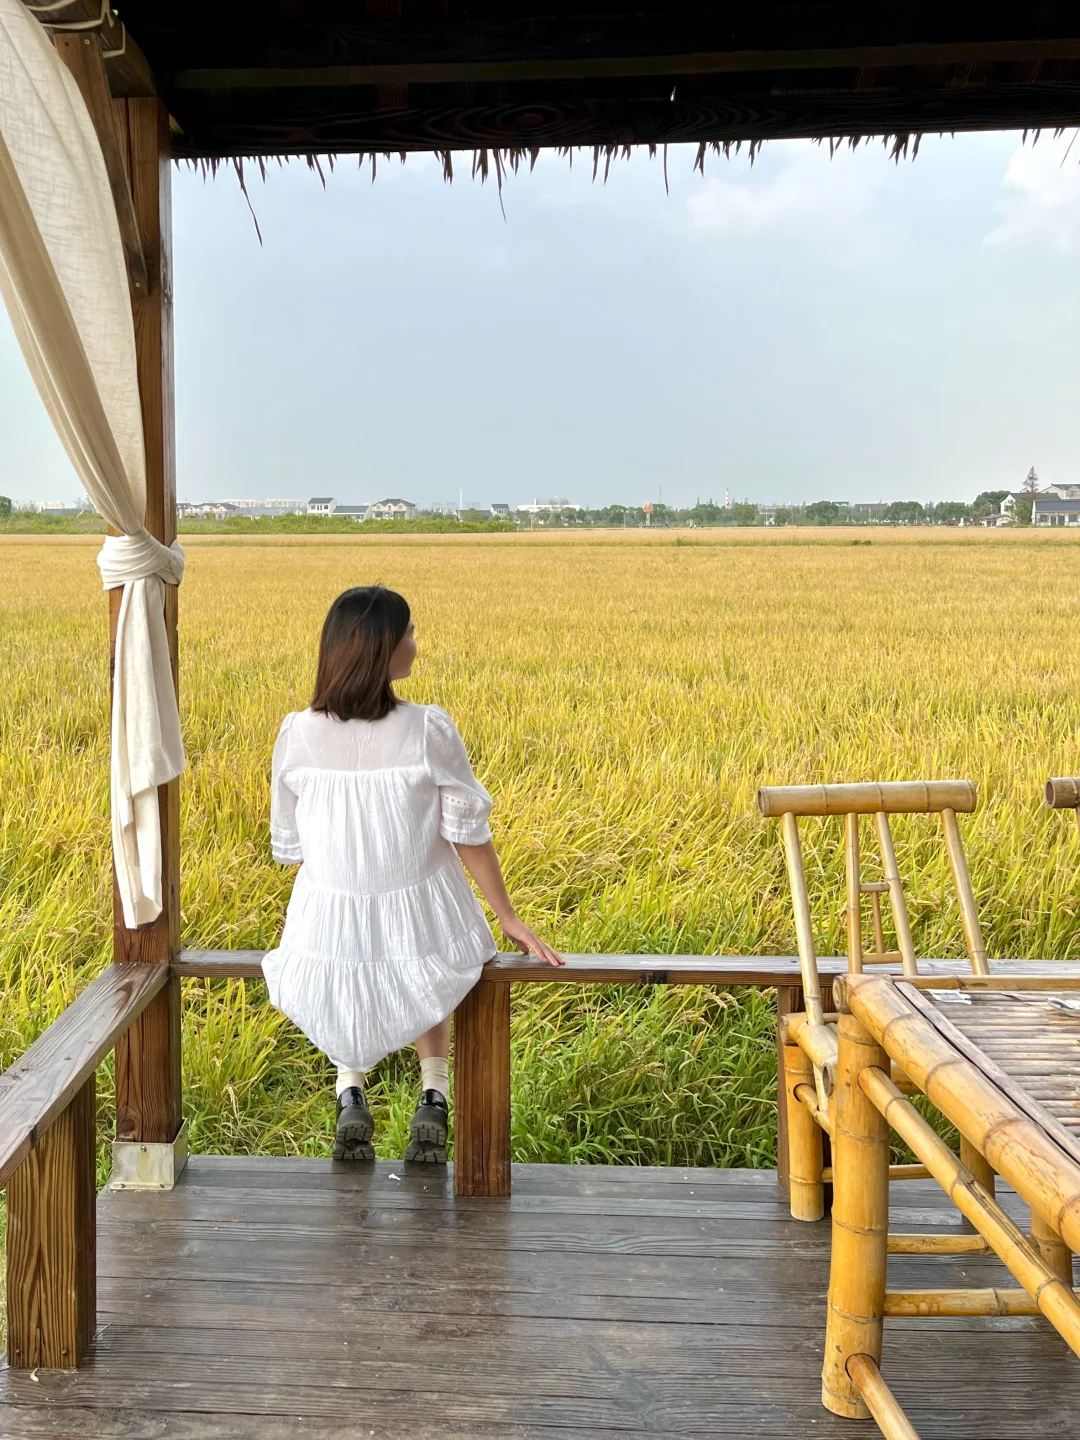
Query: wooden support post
{"points": [[482, 1091], [980, 1169], [860, 1222], [51, 1248], [148, 1080], [788, 1002]]}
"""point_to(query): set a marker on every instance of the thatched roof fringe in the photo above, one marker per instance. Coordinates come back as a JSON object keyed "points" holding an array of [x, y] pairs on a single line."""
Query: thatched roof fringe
{"points": [[507, 161]]}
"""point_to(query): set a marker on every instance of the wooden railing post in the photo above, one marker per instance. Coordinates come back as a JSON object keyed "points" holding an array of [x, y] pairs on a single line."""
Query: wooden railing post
{"points": [[51, 1243], [482, 1090], [148, 1076]]}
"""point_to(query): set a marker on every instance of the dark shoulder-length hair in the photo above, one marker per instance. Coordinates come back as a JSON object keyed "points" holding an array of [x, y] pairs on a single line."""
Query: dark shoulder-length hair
{"points": [[362, 630]]}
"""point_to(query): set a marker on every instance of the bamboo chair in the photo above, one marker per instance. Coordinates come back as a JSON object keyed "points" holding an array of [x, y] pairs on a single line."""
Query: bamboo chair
{"points": [[809, 1040]]}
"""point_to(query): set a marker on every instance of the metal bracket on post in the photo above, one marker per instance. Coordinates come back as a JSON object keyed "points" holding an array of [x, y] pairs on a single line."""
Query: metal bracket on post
{"points": [[145, 1165]]}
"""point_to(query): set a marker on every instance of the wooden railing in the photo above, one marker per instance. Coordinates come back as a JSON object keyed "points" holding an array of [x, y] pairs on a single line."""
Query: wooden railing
{"points": [[47, 1163]]}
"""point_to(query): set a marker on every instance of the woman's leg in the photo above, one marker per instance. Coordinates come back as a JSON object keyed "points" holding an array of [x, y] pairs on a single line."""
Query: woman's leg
{"points": [[428, 1132], [434, 1044]]}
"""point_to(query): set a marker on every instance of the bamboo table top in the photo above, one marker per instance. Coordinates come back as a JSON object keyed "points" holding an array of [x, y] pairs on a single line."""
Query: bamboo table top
{"points": [[1027, 1042], [276, 1299]]}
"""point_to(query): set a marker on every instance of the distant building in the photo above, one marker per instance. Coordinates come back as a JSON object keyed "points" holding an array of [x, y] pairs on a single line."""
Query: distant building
{"points": [[546, 506], [1051, 509], [321, 505], [211, 510], [1063, 492], [392, 509], [500, 512], [352, 512]]}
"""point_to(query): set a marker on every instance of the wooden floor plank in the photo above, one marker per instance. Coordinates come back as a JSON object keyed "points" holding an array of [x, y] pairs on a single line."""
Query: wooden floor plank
{"points": [[263, 1300]]}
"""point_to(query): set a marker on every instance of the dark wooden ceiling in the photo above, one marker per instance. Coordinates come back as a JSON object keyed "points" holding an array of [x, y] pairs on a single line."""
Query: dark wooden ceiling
{"points": [[280, 77]]}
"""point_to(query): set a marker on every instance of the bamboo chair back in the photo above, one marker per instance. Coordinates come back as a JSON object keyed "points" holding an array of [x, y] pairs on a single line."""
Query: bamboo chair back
{"points": [[1063, 793], [948, 798]]}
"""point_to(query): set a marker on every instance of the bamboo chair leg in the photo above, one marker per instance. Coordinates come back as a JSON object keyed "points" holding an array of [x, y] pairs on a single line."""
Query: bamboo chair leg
{"points": [[806, 1191], [980, 1168], [860, 1223], [1052, 1248]]}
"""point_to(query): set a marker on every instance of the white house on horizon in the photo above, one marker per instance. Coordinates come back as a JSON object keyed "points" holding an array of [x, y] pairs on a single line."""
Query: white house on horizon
{"points": [[392, 509]]}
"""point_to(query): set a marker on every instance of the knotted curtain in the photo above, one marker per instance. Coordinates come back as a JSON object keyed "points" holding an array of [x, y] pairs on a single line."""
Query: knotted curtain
{"points": [[64, 282]]}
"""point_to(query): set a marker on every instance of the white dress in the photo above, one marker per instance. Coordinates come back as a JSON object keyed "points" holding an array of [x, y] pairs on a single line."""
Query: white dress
{"points": [[383, 935]]}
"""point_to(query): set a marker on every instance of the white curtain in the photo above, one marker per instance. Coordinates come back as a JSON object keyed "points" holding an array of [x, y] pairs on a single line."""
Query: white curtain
{"points": [[64, 281]]}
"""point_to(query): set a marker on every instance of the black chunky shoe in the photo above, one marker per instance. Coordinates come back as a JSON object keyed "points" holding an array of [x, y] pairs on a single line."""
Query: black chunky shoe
{"points": [[355, 1127], [428, 1131]]}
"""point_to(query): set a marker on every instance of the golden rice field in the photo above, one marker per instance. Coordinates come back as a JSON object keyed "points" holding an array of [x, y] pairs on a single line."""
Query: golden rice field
{"points": [[622, 698]]}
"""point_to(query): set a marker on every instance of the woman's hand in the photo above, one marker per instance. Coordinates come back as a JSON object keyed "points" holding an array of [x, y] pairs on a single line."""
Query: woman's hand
{"points": [[525, 939]]}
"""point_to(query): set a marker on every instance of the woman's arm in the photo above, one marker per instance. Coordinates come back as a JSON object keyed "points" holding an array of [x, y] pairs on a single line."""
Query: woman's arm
{"points": [[483, 865]]}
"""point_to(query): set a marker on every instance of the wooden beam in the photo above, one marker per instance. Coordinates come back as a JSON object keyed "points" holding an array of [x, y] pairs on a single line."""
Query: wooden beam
{"points": [[81, 53], [345, 121], [482, 1092], [126, 66], [148, 1080], [51, 1246], [609, 67], [39, 1086]]}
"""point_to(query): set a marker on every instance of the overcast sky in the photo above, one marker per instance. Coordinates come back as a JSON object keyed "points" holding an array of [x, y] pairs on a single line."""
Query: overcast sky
{"points": [[806, 328]]}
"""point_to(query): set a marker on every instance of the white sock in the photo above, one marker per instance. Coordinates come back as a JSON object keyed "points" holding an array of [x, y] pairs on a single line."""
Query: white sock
{"points": [[435, 1075], [345, 1078]]}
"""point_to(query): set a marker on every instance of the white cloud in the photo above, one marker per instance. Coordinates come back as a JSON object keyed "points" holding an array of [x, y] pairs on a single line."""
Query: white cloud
{"points": [[794, 188], [1040, 201]]}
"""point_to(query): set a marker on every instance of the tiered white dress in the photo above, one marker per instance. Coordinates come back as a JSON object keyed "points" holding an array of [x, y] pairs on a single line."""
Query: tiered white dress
{"points": [[384, 935]]}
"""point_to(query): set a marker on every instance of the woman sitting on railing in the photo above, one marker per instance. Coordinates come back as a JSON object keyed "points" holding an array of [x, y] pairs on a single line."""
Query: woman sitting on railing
{"points": [[383, 936]]}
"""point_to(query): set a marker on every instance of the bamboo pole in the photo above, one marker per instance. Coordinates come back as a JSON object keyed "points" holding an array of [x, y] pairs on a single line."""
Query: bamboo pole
{"points": [[969, 911], [879, 929], [938, 1245], [854, 893], [977, 1163], [806, 1190], [880, 1400], [804, 930], [860, 1222], [1052, 1248], [807, 1097], [1015, 1146], [1055, 1300], [896, 1172], [931, 1304], [896, 797], [896, 894], [816, 1041]]}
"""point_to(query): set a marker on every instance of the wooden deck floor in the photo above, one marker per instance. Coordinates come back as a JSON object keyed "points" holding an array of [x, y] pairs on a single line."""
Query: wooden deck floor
{"points": [[287, 1298]]}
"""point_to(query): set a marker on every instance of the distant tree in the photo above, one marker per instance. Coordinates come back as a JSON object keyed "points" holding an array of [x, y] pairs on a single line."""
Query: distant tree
{"points": [[1031, 482], [950, 512], [744, 514], [987, 502], [1022, 509], [707, 512], [5, 508], [823, 512], [472, 517], [782, 517], [905, 512]]}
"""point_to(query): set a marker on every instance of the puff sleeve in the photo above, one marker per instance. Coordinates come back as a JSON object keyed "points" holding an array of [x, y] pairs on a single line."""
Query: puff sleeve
{"points": [[464, 803], [284, 837]]}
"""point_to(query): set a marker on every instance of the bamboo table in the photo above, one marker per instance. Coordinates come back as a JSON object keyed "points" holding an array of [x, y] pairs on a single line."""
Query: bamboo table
{"points": [[1004, 1067]]}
